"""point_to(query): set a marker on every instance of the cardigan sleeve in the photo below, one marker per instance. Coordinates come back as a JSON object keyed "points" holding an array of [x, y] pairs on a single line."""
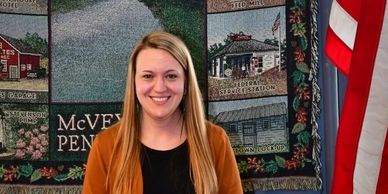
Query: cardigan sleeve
{"points": [[98, 165], [96, 169], [228, 176]]}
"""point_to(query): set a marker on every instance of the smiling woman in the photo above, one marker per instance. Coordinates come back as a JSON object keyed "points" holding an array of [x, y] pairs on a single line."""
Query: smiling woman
{"points": [[162, 144], [160, 86]]}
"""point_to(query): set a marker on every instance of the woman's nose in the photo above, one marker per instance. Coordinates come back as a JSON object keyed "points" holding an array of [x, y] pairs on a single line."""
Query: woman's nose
{"points": [[160, 85]]}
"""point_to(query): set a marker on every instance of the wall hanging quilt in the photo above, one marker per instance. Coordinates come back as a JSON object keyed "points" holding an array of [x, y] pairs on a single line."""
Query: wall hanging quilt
{"points": [[63, 69]]}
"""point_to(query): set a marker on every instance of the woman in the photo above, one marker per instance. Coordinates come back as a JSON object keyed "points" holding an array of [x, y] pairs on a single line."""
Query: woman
{"points": [[162, 144]]}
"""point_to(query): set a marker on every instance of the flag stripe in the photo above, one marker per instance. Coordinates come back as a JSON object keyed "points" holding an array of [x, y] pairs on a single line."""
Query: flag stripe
{"points": [[355, 104], [382, 186], [343, 24], [343, 20], [338, 52], [351, 6], [367, 168]]}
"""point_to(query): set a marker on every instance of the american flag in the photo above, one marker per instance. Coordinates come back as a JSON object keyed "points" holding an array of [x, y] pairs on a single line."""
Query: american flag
{"points": [[357, 43], [276, 24]]}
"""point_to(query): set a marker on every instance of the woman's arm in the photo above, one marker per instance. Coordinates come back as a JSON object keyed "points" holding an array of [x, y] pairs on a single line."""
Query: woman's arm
{"points": [[228, 176], [96, 169]]}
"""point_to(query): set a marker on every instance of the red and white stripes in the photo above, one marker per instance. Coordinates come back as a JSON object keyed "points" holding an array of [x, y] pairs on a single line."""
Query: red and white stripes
{"points": [[341, 32], [361, 163]]}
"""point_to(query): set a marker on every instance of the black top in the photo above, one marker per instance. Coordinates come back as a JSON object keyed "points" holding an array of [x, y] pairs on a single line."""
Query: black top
{"points": [[166, 172]]}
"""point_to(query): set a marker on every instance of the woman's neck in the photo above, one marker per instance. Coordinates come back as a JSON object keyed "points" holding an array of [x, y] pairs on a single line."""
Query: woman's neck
{"points": [[163, 134]]}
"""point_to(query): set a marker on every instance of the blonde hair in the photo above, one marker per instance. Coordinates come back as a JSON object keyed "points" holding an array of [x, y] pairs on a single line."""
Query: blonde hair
{"points": [[127, 145]]}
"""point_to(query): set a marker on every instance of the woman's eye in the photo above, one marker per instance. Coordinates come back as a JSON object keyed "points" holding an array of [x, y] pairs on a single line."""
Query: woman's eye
{"points": [[171, 76], [147, 76]]}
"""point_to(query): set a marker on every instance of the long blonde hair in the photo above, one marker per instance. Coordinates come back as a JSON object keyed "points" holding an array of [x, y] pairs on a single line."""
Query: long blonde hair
{"points": [[127, 145]]}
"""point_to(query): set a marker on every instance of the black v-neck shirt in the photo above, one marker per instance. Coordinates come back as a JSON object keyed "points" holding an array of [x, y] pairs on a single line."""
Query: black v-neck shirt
{"points": [[166, 172]]}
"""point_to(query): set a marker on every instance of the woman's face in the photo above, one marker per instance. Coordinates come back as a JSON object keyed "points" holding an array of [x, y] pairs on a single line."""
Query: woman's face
{"points": [[160, 82]]}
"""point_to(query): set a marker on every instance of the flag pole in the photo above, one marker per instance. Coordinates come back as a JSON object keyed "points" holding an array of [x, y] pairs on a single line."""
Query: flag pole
{"points": [[280, 43]]}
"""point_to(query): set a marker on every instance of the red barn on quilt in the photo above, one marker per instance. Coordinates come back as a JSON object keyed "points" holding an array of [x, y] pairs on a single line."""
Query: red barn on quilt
{"points": [[16, 58]]}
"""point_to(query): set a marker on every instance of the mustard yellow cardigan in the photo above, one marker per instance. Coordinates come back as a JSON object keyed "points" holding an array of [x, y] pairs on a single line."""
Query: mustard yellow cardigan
{"points": [[98, 163]]}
